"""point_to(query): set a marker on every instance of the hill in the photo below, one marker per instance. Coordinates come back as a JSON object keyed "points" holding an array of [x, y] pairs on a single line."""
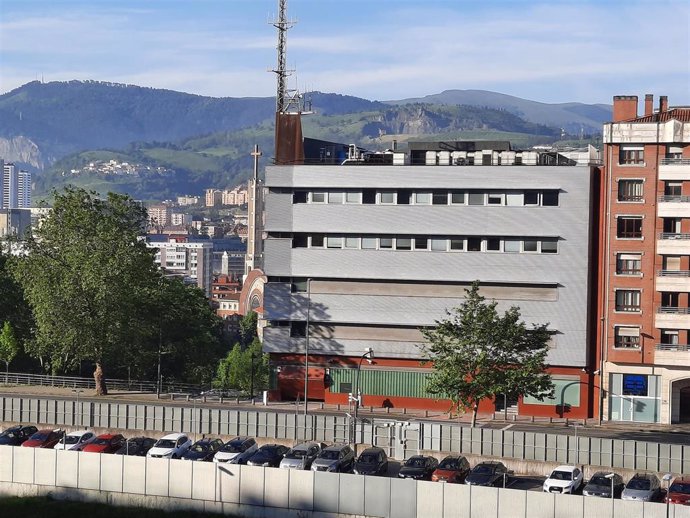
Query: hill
{"points": [[570, 116]]}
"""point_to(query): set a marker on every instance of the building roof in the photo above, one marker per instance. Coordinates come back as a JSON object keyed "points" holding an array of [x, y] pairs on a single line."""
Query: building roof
{"points": [[679, 114]]}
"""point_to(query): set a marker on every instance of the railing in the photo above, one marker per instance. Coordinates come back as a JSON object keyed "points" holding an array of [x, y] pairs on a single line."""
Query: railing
{"points": [[675, 161], [673, 199], [673, 235], [673, 273], [75, 382], [672, 347], [673, 310]]}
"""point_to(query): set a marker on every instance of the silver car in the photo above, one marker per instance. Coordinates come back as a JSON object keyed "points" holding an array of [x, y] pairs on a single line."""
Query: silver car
{"points": [[301, 456], [336, 458], [643, 487]]}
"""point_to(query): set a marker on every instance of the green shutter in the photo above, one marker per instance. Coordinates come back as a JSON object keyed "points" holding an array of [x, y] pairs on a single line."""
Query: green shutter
{"points": [[398, 383]]}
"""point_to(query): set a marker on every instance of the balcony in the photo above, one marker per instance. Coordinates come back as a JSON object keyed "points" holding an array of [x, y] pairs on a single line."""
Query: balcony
{"points": [[673, 243], [674, 169], [672, 354], [673, 280], [674, 206], [672, 318]]}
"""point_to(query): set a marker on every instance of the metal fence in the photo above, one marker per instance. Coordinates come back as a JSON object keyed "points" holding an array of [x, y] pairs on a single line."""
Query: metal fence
{"points": [[400, 439], [257, 491]]}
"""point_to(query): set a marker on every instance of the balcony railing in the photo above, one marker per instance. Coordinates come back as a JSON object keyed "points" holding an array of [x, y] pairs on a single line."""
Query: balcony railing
{"points": [[673, 273], [673, 235], [669, 310], [672, 347], [673, 199], [675, 161]]}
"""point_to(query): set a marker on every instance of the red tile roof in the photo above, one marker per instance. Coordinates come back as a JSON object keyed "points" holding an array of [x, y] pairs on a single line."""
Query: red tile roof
{"points": [[679, 114]]}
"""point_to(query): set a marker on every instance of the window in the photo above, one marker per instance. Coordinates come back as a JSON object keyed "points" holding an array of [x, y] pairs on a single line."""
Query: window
{"points": [[351, 242], [334, 242], [457, 244], [299, 197], [495, 199], [629, 227], [298, 329], [439, 245], [549, 246], [474, 244], [531, 197], [628, 301], [299, 285], [368, 196], [387, 197], [673, 188], [403, 243], [368, 243], [299, 241], [457, 198], [549, 199], [630, 190], [515, 199], [493, 245], [669, 337], [353, 197], [386, 243], [404, 197], [512, 245], [317, 240], [627, 337], [530, 246], [421, 243], [422, 198], [440, 198], [318, 197], [631, 155], [336, 197], [476, 198], [628, 264]]}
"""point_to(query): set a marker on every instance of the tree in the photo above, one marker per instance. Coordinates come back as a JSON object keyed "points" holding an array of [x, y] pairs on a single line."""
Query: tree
{"points": [[88, 279], [477, 354], [9, 346]]}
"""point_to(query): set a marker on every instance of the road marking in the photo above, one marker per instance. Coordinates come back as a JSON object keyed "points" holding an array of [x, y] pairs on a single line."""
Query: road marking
{"points": [[507, 427]]}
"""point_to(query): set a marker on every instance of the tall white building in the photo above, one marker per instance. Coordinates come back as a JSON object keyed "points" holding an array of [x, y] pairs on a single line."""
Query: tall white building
{"points": [[15, 187], [192, 261]]}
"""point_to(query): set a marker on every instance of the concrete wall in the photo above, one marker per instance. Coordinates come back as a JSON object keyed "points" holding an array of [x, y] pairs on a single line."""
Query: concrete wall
{"points": [[254, 491]]}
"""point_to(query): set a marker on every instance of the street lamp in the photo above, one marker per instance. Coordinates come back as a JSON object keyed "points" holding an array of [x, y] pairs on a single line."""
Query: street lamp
{"points": [[667, 478], [357, 395], [610, 477], [196, 423], [306, 360], [577, 445], [77, 392]]}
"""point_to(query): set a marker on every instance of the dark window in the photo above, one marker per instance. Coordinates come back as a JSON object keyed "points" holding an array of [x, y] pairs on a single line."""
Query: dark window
{"points": [[317, 240], [299, 197], [486, 159], [404, 197], [549, 198], [299, 285], [518, 160], [628, 228], [549, 247], [403, 243], [631, 156], [457, 197], [493, 245], [474, 244], [531, 198], [421, 243], [298, 329], [627, 338], [628, 301], [440, 198], [630, 190], [457, 244], [368, 196], [299, 241], [628, 264]]}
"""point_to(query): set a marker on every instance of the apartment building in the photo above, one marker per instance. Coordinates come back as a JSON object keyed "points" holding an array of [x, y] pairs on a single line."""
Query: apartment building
{"points": [[159, 215], [645, 304], [362, 256], [190, 260], [15, 187]]}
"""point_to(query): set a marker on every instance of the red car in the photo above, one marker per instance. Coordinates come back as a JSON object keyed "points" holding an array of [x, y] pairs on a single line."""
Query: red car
{"points": [[44, 439], [679, 492], [106, 443]]}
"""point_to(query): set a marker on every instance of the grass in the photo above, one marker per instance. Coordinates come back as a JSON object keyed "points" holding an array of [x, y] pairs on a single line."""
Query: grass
{"points": [[43, 507]]}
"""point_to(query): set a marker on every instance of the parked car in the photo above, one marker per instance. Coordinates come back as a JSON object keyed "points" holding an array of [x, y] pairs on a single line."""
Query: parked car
{"points": [[679, 491], [600, 485], [75, 441], [564, 479], [44, 439], [136, 446], [487, 474], [106, 443], [236, 451], [336, 458], [301, 456], [204, 450], [268, 455], [372, 461], [418, 467], [171, 446], [453, 469], [16, 435], [644, 487]]}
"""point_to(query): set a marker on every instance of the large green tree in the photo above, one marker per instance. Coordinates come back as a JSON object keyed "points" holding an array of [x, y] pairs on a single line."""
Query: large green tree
{"points": [[9, 345], [88, 279], [478, 353]]}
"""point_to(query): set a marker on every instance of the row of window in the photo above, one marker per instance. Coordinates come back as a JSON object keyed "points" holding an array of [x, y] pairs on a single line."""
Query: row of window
{"points": [[628, 337], [435, 244], [632, 189], [628, 300], [531, 198]]}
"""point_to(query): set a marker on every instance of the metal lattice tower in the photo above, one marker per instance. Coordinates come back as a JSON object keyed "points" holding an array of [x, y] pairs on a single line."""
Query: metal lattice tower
{"points": [[282, 24]]}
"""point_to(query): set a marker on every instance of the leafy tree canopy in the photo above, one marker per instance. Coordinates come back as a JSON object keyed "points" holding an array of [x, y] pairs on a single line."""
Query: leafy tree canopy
{"points": [[478, 354], [9, 346]]}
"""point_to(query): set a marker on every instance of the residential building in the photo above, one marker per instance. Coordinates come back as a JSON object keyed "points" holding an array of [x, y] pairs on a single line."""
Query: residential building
{"points": [[645, 278], [225, 295], [159, 215], [178, 256], [213, 197], [364, 255], [186, 201], [180, 219], [236, 196], [14, 222], [15, 187]]}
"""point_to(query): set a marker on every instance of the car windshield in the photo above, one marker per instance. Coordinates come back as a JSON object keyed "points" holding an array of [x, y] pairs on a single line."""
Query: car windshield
{"points": [[39, 437], [295, 454], [449, 464], [368, 458], [561, 475], [71, 439], [102, 441], [678, 487], [483, 469], [165, 443], [642, 484], [600, 481], [330, 454], [9, 433], [200, 448], [269, 450], [233, 447], [415, 462]]}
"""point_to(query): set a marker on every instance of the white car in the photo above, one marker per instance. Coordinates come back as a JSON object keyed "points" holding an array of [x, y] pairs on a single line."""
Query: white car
{"points": [[563, 479], [171, 446], [236, 451], [75, 441]]}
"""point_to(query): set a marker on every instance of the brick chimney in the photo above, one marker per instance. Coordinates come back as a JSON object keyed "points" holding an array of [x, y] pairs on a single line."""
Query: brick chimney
{"points": [[663, 103], [624, 107], [648, 105]]}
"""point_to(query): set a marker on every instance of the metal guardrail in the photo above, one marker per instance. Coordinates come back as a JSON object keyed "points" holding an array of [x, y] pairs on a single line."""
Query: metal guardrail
{"points": [[673, 310], [76, 382], [672, 347], [675, 161], [673, 199], [673, 235], [673, 273]]}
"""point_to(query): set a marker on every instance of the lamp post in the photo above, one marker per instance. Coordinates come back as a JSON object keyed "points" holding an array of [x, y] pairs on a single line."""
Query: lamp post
{"points": [[577, 445], [667, 478], [369, 355], [77, 392], [195, 422], [306, 359], [610, 476]]}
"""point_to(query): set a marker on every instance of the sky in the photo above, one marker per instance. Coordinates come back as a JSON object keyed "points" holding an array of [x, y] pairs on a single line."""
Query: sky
{"points": [[549, 51]]}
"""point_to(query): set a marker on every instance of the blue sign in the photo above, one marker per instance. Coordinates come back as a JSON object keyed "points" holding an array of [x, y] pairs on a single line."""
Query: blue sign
{"points": [[635, 385]]}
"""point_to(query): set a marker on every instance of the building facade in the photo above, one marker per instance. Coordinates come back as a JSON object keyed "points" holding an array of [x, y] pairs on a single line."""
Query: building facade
{"points": [[645, 304], [15, 187], [362, 257], [189, 260]]}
